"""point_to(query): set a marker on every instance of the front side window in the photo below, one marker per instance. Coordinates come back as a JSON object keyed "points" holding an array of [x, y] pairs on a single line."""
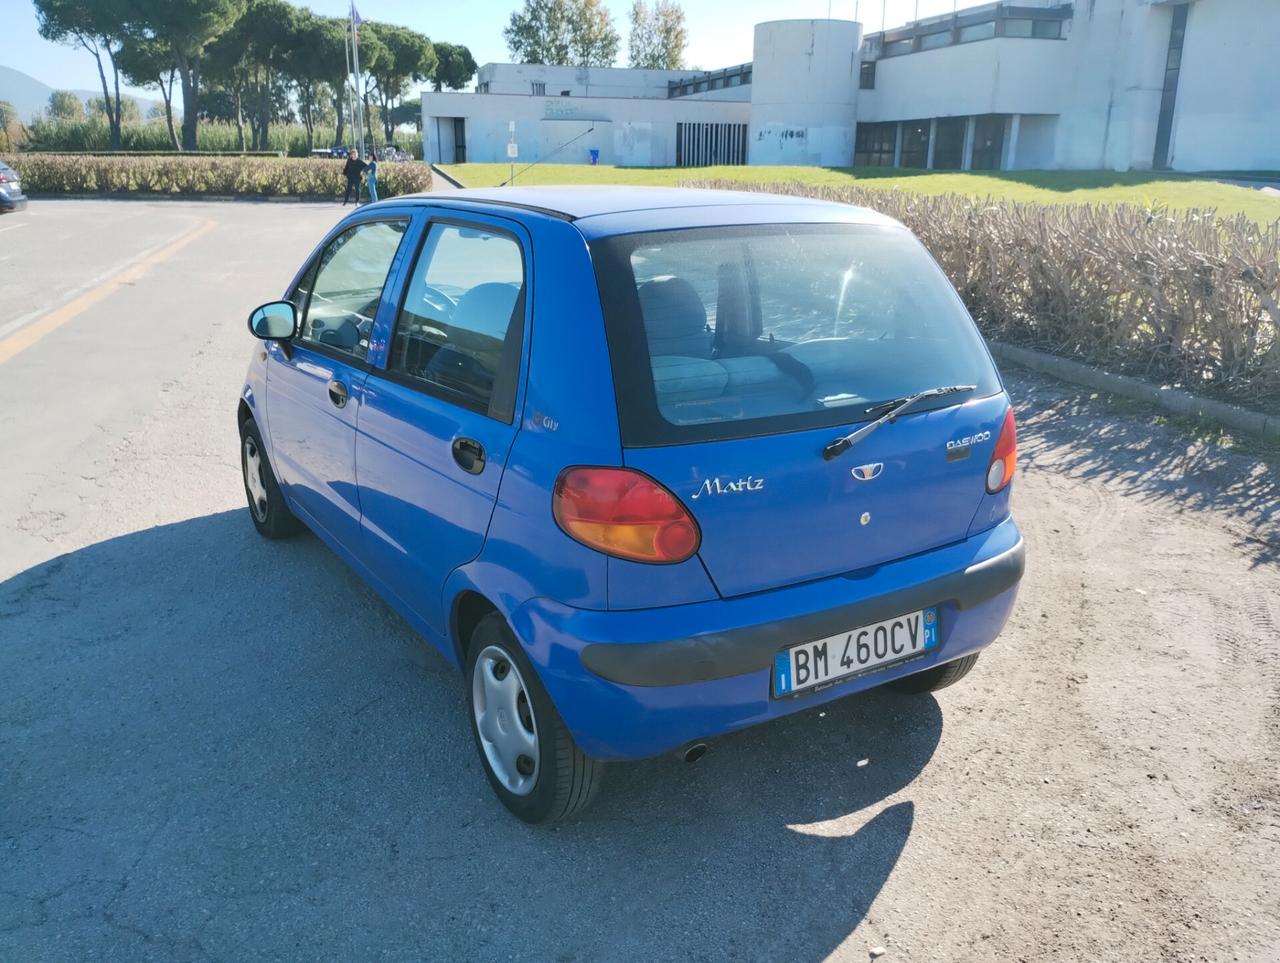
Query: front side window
{"points": [[732, 332], [459, 332], [345, 287]]}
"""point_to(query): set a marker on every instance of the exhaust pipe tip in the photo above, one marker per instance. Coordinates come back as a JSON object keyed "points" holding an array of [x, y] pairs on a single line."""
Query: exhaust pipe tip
{"points": [[694, 751]]}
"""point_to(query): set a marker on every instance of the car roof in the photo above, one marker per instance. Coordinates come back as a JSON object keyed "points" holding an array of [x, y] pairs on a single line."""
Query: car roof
{"points": [[582, 202]]}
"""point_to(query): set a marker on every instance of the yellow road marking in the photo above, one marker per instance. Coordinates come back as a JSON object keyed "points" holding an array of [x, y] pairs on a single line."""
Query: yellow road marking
{"points": [[36, 330]]}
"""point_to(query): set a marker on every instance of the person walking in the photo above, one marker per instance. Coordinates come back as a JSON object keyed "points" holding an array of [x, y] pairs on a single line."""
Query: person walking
{"points": [[371, 169], [352, 171]]}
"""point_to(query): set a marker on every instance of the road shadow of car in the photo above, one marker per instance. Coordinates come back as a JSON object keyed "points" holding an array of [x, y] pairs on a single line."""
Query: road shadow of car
{"points": [[226, 746]]}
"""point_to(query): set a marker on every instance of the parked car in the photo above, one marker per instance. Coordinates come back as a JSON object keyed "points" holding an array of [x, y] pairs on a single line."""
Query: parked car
{"points": [[11, 196], [647, 465]]}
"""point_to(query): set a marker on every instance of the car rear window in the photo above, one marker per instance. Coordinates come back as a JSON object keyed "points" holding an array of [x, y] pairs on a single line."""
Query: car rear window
{"points": [[719, 333]]}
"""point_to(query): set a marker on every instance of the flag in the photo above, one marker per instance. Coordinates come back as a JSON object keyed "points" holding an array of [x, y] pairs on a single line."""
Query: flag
{"points": [[356, 19]]}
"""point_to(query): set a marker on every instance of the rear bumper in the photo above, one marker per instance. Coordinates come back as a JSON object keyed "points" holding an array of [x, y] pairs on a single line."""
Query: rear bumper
{"points": [[631, 684], [8, 203]]}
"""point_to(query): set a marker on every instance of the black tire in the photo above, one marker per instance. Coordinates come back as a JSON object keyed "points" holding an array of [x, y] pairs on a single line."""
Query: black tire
{"points": [[939, 677], [269, 512], [566, 778]]}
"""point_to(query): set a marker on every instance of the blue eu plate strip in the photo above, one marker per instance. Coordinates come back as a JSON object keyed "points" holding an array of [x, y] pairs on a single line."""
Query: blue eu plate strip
{"points": [[782, 673]]}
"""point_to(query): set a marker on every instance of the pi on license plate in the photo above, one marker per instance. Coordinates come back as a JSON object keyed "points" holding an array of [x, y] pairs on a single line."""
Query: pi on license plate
{"points": [[854, 652]]}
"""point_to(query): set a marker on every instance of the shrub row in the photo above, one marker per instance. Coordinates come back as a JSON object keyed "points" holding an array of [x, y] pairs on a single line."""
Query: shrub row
{"points": [[93, 134], [1183, 298], [188, 174]]}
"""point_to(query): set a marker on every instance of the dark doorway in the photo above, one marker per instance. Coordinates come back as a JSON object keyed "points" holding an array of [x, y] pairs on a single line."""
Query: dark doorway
{"points": [[948, 145], [459, 140], [988, 142]]}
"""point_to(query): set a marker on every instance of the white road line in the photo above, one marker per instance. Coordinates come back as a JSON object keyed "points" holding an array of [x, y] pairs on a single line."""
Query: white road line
{"points": [[13, 227], [22, 321]]}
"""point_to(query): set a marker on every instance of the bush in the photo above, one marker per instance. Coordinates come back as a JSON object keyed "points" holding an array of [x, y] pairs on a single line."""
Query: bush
{"points": [[1184, 298], [191, 174], [92, 134]]}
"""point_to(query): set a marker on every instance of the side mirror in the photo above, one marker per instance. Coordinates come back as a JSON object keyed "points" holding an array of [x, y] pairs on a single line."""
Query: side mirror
{"points": [[274, 321]]}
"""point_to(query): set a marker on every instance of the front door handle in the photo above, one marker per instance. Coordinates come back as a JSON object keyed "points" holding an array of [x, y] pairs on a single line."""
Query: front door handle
{"points": [[338, 393], [469, 454]]}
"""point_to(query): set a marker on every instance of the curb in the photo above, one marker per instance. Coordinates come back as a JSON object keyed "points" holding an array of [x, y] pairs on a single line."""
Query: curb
{"points": [[437, 172], [1173, 400]]}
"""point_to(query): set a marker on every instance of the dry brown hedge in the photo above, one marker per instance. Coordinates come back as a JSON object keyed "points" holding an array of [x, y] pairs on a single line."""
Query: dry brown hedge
{"points": [[177, 174], [1179, 297]]}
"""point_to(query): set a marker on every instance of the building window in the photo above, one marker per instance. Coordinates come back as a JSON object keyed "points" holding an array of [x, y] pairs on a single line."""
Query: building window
{"points": [[977, 31], [735, 80], [897, 48], [539, 90], [746, 76], [717, 84], [874, 145], [867, 77], [915, 143], [932, 41], [1046, 29], [1017, 28], [482, 88], [566, 93], [1169, 95], [988, 142], [948, 143]]}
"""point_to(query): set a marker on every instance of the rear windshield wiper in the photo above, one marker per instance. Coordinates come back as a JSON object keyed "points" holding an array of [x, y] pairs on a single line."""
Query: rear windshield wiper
{"points": [[891, 409]]}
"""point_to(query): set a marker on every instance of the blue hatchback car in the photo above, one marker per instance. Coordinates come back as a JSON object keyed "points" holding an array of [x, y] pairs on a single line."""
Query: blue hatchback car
{"points": [[647, 465]]}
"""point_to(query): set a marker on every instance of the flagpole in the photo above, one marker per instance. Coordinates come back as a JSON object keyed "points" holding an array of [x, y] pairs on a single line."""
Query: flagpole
{"points": [[355, 56], [346, 83]]}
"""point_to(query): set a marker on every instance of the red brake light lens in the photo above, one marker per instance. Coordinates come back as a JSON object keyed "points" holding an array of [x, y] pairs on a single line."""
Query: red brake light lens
{"points": [[1004, 460], [625, 514]]}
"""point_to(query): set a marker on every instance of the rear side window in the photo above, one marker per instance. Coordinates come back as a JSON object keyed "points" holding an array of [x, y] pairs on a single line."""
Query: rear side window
{"points": [[340, 293], [730, 332], [459, 332]]}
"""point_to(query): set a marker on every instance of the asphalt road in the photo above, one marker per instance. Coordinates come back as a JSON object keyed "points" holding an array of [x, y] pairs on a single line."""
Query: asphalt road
{"points": [[214, 747]]}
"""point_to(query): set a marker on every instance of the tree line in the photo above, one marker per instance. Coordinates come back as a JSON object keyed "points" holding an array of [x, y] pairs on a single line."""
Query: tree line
{"points": [[250, 62], [580, 33]]}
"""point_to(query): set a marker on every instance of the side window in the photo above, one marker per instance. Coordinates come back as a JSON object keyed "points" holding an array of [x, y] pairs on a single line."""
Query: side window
{"points": [[460, 327], [343, 288]]}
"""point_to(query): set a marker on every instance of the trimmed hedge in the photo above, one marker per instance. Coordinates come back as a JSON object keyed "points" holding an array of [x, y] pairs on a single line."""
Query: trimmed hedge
{"points": [[202, 174], [1178, 297]]}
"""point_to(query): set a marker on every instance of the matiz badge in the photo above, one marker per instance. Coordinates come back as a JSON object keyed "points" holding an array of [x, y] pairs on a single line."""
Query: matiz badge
{"points": [[867, 472], [714, 486]]}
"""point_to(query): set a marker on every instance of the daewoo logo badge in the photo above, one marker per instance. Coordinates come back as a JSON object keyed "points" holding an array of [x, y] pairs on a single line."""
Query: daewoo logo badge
{"points": [[867, 472], [714, 486]]}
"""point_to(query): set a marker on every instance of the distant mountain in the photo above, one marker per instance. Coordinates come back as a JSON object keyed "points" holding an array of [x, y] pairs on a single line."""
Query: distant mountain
{"points": [[30, 96]]}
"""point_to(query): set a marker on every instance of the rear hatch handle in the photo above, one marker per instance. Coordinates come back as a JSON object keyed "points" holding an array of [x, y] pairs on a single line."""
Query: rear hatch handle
{"points": [[892, 409]]}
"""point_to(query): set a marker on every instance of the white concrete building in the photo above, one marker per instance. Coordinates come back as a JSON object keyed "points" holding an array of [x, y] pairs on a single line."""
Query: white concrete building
{"points": [[1187, 85]]}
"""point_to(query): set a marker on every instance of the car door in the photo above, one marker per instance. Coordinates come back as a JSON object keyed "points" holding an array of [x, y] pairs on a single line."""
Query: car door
{"points": [[314, 381], [438, 420]]}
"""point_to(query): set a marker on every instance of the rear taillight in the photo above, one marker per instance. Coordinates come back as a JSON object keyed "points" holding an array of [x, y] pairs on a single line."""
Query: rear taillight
{"points": [[1005, 458], [4, 178], [625, 514]]}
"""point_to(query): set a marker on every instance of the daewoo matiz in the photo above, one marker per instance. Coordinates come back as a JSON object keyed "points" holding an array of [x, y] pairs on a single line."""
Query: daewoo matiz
{"points": [[648, 465]]}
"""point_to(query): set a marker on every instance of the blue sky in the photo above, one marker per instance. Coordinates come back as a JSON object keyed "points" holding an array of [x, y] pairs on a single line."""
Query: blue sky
{"points": [[720, 31]]}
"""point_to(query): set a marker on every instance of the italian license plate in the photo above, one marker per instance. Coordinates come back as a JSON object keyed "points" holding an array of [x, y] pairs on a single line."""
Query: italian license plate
{"points": [[851, 653]]}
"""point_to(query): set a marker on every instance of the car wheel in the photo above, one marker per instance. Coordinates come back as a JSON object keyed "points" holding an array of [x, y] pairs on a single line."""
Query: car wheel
{"points": [[531, 760], [939, 677], [271, 516]]}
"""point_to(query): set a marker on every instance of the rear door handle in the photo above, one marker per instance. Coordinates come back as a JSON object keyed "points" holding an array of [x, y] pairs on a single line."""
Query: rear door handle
{"points": [[469, 454], [338, 393]]}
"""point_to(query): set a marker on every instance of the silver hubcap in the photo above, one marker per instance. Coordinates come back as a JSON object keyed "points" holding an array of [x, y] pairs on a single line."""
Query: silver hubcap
{"points": [[504, 719], [253, 482]]}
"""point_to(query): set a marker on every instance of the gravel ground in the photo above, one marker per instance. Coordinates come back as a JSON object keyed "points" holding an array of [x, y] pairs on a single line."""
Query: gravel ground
{"points": [[218, 748]]}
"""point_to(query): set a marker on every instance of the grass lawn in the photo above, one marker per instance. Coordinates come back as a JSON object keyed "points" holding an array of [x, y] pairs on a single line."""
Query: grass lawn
{"points": [[1041, 187]]}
